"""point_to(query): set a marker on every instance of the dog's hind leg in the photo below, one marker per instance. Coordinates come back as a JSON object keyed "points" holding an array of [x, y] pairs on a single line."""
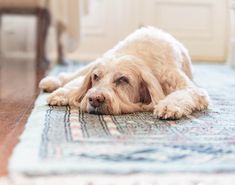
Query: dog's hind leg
{"points": [[51, 83]]}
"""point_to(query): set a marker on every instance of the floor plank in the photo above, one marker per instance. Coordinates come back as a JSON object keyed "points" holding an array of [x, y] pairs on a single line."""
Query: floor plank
{"points": [[18, 90]]}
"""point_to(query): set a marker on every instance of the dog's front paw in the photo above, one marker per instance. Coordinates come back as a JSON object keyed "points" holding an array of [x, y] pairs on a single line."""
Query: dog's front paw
{"points": [[59, 98], [168, 110], [49, 84]]}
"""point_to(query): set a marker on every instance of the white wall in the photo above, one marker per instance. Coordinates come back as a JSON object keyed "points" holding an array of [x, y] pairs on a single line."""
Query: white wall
{"points": [[18, 38], [231, 49], [18, 35], [200, 24]]}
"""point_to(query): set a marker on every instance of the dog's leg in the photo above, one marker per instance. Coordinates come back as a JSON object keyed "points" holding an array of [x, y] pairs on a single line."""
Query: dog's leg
{"points": [[66, 95], [184, 100]]}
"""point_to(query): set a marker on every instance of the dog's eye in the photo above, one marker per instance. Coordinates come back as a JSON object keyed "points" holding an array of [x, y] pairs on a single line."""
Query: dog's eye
{"points": [[122, 80], [95, 77]]}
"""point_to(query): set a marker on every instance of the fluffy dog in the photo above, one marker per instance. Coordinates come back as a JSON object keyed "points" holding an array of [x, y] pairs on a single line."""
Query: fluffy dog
{"points": [[148, 71]]}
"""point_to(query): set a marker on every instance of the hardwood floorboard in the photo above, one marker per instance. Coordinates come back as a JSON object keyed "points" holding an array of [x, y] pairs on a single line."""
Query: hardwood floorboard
{"points": [[18, 90]]}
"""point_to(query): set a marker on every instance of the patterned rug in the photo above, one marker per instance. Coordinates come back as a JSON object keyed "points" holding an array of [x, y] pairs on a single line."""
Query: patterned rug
{"points": [[64, 140]]}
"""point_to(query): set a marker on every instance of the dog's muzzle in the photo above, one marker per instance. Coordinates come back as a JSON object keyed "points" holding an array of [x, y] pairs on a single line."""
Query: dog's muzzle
{"points": [[96, 101]]}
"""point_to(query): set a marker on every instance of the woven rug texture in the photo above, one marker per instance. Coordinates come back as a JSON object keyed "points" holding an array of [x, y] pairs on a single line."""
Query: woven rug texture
{"points": [[64, 140]]}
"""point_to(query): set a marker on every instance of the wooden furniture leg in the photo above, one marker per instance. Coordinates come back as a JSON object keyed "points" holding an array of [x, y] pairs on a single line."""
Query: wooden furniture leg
{"points": [[43, 23], [0, 36], [60, 51]]}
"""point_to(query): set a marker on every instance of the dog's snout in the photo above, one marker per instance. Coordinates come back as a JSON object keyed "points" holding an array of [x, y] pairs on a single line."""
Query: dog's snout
{"points": [[96, 99]]}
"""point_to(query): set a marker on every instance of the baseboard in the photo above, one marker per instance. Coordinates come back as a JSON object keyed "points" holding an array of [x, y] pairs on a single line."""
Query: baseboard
{"points": [[19, 55]]}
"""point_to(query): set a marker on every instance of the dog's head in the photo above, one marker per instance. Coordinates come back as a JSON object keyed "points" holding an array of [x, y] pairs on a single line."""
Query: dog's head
{"points": [[121, 85]]}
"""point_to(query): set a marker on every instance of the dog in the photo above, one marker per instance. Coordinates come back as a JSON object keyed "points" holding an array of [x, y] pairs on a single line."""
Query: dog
{"points": [[148, 71]]}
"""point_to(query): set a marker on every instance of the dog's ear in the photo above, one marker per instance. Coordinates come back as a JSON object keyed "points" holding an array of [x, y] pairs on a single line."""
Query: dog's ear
{"points": [[86, 85], [83, 85], [151, 86], [144, 94]]}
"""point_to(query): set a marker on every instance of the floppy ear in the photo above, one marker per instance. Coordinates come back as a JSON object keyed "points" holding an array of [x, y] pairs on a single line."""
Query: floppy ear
{"points": [[152, 85], [145, 97], [82, 85], [85, 86]]}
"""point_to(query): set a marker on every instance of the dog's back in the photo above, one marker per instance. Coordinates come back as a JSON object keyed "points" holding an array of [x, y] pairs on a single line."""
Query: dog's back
{"points": [[156, 47]]}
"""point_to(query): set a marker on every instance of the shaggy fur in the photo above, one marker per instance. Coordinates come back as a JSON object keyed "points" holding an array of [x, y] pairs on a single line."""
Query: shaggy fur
{"points": [[148, 71]]}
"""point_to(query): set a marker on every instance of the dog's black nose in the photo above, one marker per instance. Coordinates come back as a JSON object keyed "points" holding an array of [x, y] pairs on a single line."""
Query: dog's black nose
{"points": [[96, 99]]}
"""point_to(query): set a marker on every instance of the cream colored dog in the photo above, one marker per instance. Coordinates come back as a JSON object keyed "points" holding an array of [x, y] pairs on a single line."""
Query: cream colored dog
{"points": [[148, 71]]}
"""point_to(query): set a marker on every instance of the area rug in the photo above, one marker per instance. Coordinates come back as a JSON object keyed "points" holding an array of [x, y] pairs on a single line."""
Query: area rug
{"points": [[64, 140]]}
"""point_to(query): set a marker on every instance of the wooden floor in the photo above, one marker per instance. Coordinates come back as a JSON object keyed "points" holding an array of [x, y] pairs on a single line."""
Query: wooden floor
{"points": [[18, 90]]}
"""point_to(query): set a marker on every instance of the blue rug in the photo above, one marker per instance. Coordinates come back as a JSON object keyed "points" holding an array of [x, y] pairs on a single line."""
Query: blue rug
{"points": [[64, 140]]}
